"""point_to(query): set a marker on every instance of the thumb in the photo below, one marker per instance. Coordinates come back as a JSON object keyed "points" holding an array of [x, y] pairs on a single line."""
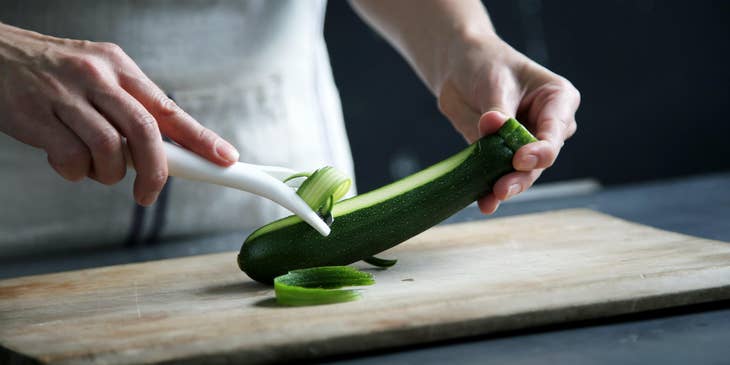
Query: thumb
{"points": [[491, 121], [498, 103]]}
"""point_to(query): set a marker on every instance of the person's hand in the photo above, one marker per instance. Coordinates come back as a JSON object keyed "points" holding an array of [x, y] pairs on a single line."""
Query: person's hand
{"points": [[80, 101], [487, 82]]}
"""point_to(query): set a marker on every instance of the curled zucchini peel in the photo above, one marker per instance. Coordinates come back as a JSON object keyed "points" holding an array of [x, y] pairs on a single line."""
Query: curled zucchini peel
{"points": [[320, 285]]}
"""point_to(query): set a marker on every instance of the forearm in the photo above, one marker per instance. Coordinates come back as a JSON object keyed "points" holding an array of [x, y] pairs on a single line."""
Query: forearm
{"points": [[426, 32]]}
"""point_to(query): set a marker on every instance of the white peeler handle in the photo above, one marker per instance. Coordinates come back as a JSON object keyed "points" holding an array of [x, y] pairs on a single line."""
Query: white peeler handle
{"points": [[257, 179]]}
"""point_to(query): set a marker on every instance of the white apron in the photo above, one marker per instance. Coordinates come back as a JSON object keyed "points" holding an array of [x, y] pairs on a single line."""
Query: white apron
{"points": [[256, 72]]}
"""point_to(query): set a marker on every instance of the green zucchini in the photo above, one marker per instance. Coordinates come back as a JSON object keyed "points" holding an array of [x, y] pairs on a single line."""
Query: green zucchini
{"points": [[370, 223]]}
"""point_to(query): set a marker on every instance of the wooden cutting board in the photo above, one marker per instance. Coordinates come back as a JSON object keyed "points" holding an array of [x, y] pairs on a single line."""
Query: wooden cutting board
{"points": [[451, 281]]}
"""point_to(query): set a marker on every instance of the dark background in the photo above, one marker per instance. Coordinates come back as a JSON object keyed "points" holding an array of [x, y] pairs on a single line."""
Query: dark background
{"points": [[653, 77]]}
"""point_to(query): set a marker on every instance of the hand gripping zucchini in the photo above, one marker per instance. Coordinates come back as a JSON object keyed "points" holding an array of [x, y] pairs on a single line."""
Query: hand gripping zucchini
{"points": [[370, 223]]}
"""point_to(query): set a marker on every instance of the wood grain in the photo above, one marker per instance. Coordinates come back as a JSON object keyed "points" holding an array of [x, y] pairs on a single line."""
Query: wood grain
{"points": [[451, 281]]}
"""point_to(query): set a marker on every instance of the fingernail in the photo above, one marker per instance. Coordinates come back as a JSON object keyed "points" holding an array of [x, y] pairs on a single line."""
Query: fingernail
{"points": [[149, 198], [529, 162], [513, 190], [226, 151]]}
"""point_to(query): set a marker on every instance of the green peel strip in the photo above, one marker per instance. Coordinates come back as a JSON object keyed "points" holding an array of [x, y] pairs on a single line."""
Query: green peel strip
{"points": [[376, 261], [320, 285], [322, 188]]}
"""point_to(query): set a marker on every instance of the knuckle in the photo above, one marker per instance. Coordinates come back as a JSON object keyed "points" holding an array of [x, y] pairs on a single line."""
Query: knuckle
{"points": [[575, 94], [564, 83], [110, 49], [206, 136], [157, 178], [106, 142], [82, 43], [165, 105], [113, 53], [145, 125], [86, 66], [572, 128], [568, 86]]}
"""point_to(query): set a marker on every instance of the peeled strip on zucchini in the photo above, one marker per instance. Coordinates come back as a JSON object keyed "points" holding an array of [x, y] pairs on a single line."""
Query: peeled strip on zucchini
{"points": [[320, 285], [322, 188], [368, 224]]}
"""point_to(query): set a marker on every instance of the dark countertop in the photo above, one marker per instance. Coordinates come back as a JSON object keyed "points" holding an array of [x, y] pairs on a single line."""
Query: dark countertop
{"points": [[698, 206]]}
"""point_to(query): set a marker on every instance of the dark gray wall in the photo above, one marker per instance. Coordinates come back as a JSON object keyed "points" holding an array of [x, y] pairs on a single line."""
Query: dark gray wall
{"points": [[653, 76]]}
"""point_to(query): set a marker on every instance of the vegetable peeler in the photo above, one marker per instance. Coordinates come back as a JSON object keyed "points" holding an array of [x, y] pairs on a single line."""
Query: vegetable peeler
{"points": [[262, 180]]}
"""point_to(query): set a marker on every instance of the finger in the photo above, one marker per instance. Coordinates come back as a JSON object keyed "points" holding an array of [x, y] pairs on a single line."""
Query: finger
{"points": [[143, 137], [514, 183], [99, 136], [507, 187], [488, 204], [535, 155], [499, 100], [67, 154], [552, 112], [490, 122], [34, 123], [177, 124], [464, 118]]}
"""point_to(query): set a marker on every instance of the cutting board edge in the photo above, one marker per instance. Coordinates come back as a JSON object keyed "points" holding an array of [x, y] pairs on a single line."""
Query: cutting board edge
{"points": [[332, 348]]}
